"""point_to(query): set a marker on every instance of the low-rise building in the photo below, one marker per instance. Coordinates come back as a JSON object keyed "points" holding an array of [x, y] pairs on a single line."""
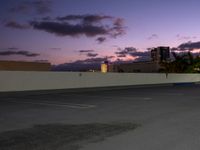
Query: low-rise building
{"points": [[148, 66], [24, 66]]}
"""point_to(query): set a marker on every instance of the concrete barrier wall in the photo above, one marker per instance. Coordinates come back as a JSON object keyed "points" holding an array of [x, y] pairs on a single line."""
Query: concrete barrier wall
{"points": [[23, 81]]}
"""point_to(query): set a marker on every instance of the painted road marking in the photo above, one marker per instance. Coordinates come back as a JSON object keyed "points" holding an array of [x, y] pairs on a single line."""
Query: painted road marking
{"points": [[48, 103]]}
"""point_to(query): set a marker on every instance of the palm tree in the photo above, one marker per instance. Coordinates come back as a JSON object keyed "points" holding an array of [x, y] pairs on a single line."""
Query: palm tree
{"points": [[181, 64]]}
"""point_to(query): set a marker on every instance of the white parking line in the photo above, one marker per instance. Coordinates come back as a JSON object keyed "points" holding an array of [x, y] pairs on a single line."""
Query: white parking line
{"points": [[48, 103]]}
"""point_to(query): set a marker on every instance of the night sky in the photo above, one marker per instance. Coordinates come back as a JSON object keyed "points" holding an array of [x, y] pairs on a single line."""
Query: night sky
{"points": [[78, 31]]}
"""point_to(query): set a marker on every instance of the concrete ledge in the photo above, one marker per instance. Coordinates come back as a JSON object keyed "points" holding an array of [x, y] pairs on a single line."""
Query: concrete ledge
{"points": [[11, 81], [88, 90]]}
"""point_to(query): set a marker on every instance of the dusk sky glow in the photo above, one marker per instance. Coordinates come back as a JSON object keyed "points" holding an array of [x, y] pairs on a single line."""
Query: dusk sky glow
{"points": [[57, 30]]}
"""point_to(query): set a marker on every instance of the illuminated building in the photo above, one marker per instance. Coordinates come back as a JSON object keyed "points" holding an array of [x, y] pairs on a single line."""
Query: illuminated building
{"points": [[104, 67]]}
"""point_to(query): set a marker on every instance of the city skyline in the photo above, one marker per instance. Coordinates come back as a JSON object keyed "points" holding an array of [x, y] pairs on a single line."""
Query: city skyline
{"points": [[76, 31]]}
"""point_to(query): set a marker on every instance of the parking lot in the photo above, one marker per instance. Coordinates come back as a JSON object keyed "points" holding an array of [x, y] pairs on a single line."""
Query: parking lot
{"points": [[168, 116]]}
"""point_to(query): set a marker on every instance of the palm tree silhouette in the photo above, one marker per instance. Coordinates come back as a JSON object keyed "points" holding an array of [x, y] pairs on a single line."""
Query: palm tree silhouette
{"points": [[183, 63]]}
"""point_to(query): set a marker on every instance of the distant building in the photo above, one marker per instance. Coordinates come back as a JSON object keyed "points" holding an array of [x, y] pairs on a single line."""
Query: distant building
{"points": [[158, 55], [24, 66], [148, 66], [104, 67]]}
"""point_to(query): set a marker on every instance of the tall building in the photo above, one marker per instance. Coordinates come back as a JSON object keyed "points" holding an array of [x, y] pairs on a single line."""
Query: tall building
{"points": [[160, 54]]}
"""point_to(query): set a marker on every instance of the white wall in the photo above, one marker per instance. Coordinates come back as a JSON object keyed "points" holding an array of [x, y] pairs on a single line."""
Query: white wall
{"points": [[22, 80]]}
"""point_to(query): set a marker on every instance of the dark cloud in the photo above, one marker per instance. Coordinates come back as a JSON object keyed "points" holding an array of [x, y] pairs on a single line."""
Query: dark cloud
{"points": [[42, 61], [23, 7], [121, 55], [47, 18], [12, 48], [56, 49], [186, 47], [42, 6], [101, 40], [109, 57], [16, 25], [189, 46], [98, 60], [180, 37], [85, 51], [133, 52], [66, 29], [130, 49], [86, 19], [126, 51], [88, 53], [153, 36], [141, 56], [118, 28], [24, 53], [36, 6], [92, 54], [89, 25]]}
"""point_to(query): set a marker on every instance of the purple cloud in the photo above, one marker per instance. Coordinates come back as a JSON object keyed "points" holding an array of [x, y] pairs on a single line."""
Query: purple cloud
{"points": [[153, 36], [132, 51], [23, 53], [101, 40], [85, 51], [88, 25], [36, 6], [92, 54], [189, 46], [126, 51], [180, 37], [85, 19], [16, 25]]}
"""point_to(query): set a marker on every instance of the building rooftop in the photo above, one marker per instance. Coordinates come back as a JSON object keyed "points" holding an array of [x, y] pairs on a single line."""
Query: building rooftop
{"points": [[24, 66]]}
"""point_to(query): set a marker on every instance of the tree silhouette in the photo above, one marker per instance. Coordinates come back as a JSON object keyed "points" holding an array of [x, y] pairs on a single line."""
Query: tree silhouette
{"points": [[183, 63]]}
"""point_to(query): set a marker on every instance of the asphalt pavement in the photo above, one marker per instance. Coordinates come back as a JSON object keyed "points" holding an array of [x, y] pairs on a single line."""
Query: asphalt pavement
{"points": [[169, 117]]}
